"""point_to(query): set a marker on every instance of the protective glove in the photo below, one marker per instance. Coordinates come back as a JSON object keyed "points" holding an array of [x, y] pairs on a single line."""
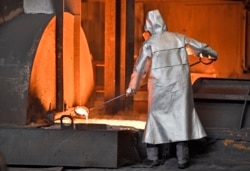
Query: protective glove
{"points": [[210, 54], [130, 92]]}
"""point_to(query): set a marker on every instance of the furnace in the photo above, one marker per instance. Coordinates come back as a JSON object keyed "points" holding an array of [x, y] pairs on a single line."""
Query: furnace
{"points": [[34, 133], [30, 84], [30, 87]]}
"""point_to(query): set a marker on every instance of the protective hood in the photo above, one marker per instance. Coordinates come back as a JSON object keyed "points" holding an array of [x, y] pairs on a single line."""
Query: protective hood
{"points": [[154, 22]]}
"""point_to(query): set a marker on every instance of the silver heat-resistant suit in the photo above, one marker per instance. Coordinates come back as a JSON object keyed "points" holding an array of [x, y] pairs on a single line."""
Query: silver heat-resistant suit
{"points": [[171, 113]]}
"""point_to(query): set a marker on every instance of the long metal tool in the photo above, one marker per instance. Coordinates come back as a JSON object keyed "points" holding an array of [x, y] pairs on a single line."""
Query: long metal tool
{"points": [[82, 110], [106, 102]]}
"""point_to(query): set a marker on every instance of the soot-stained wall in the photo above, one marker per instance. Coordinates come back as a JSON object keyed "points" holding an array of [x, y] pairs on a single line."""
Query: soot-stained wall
{"points": [[9, 9]]}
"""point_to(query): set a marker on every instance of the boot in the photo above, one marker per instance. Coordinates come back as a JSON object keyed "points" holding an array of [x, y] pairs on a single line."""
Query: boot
{"points": [[152, 156], [164, 152], [182, 153]]}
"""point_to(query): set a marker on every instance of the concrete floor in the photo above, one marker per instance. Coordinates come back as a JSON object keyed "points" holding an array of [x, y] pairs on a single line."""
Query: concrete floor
{"points": [[199, 163]]}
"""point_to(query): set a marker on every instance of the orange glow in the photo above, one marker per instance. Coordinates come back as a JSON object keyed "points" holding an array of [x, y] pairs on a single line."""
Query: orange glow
{"points": [[146, 35], [112, 122], [132, 118], [43, 77]]}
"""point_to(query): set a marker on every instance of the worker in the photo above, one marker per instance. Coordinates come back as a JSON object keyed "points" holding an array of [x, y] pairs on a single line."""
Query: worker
{"points": [[172, 117]]}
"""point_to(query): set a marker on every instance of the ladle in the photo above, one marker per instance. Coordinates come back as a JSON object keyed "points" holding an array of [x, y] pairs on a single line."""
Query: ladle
{"points": [[83, 110]]}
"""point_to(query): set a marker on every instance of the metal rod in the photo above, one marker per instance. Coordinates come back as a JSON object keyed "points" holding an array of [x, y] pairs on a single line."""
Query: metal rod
{"points": [[108, 101], [244, 111], [59, 56]]}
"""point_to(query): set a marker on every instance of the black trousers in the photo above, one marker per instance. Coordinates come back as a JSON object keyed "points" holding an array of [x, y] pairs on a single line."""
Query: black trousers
{"points": [[161, 151]]}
